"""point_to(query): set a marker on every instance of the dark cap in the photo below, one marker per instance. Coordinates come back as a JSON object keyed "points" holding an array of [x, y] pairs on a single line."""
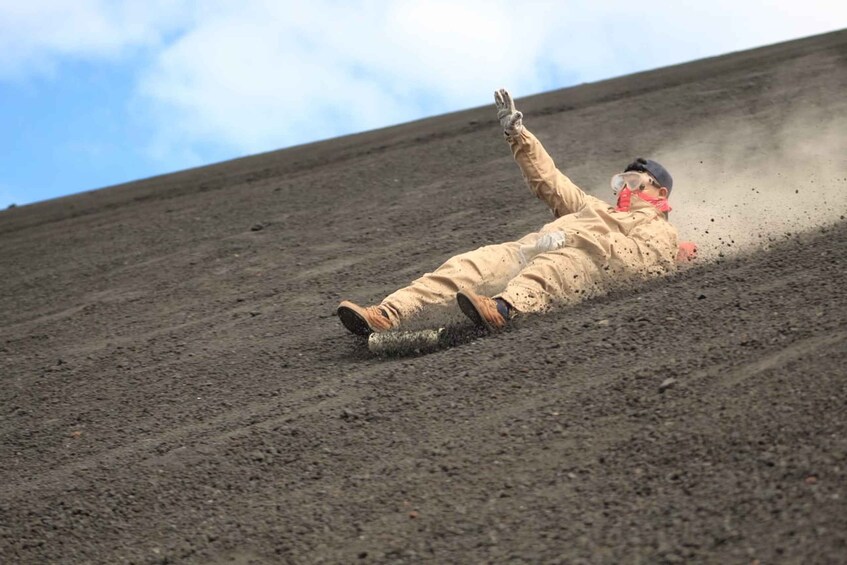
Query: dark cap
{"points": [[661, 174]]}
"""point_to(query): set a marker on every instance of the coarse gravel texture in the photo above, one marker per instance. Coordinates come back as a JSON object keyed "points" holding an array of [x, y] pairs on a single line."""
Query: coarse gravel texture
{"points": [[175, 386]]}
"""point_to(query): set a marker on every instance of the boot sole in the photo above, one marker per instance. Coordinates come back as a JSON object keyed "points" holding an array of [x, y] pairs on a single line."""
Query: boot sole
{"points": [[468, 308], [354, 322]]}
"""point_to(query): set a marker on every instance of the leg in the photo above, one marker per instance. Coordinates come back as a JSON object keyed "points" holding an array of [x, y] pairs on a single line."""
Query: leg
{"points": [[487, 268], [565, 276]]}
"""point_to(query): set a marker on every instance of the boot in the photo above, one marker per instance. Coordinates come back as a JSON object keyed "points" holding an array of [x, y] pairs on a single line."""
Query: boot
{"points": [[483, 311], [364, 321]]}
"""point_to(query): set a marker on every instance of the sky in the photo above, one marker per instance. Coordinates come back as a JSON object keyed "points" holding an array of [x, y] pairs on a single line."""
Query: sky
{"points": [[95, 93]]}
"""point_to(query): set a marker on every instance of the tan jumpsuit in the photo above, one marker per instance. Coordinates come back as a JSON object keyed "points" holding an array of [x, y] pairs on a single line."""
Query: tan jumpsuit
{"points": [[603, 249]]}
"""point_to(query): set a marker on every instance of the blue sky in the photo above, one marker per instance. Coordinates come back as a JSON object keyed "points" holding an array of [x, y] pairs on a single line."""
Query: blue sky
{"points": [[95, 93]]}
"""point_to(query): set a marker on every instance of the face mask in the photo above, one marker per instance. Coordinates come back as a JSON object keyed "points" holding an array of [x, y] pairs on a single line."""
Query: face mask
{"points": [[625, 201]]}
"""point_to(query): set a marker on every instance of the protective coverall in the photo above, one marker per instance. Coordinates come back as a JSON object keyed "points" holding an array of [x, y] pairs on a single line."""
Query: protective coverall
{"points": [[603, 248]]}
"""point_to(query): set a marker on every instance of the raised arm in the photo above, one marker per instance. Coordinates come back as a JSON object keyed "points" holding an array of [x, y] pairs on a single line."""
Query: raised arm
{"points": [[543, 178]]}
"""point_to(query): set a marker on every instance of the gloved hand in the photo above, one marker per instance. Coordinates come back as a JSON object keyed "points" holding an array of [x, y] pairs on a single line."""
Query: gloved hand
{"points": [[549, 241], [687, 252], [510, 119]]}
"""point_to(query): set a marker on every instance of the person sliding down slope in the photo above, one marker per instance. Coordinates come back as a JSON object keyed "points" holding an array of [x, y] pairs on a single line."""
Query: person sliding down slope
{"points": [[589, 247]]}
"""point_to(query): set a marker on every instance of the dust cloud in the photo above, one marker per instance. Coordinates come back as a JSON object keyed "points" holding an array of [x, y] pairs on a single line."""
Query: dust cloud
{"points": [[743, 186]]}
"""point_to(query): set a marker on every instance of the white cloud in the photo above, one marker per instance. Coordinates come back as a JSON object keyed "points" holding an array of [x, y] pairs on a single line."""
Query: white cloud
{"points": [[36, 35], [268, 76]]}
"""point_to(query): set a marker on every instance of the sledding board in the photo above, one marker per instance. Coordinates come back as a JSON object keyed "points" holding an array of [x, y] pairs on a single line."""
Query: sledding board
{"points": [[419, 342]]}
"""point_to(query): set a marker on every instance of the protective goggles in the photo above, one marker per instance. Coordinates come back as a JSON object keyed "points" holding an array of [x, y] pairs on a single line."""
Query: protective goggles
{"points": [[635, 180]]}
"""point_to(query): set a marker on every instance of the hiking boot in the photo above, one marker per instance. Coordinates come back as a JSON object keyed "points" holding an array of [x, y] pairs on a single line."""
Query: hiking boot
{"points": [[489, 313], [364, 321]]}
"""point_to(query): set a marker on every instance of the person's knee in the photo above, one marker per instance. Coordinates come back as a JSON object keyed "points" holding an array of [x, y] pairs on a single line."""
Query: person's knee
{"points": [[523, 300]]}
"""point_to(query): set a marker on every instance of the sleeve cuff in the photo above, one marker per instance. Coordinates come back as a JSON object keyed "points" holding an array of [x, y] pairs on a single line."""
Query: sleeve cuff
{"points": [[517, 137]]}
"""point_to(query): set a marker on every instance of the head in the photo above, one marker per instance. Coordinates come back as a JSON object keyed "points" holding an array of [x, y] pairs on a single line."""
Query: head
{"points": [[656, 182], [648, 180]]}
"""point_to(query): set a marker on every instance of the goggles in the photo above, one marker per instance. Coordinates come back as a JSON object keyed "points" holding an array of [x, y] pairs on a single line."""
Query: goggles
{"points": [[634, 180]]}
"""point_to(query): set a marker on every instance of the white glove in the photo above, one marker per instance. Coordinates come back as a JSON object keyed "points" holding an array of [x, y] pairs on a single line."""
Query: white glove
{"points": [[510, 119], [549, 241]]}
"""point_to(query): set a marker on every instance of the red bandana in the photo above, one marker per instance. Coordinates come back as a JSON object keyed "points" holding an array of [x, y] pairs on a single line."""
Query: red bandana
{"points": [[625, 201]]}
